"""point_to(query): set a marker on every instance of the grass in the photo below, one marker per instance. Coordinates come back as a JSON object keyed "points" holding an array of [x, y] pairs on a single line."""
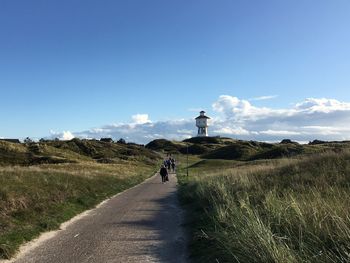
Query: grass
{"points": [[73, 151], [194, 146], [245, 208], [230, 149], [285, 210], [39, 198], [71, 178]]}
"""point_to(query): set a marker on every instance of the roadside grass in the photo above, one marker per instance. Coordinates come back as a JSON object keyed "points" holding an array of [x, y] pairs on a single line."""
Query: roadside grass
{"points": [[285, 210], [34, 199], [212, 165]]}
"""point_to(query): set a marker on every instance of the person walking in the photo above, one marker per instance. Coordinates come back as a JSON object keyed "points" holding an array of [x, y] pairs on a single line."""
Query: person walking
{"points": [[163, 173], [173, 164], [168, 163]]}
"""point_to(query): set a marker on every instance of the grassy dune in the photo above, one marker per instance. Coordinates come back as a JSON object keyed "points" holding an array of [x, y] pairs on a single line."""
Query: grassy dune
{"points": [[286, 210], [230, 149], [67, 178]]}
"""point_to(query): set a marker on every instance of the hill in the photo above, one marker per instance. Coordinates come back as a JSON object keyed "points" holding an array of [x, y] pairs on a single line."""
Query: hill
{"points": [[195, 145], [73, 151], [230, 149], [165, 145], [252, 150]]}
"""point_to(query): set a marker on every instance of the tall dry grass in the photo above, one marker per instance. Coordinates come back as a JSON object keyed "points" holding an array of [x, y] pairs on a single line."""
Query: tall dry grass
{"points": [[290, 210]]}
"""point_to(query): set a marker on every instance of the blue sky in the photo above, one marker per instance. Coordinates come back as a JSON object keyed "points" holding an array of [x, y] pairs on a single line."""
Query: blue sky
{"points": [[76, 65]]}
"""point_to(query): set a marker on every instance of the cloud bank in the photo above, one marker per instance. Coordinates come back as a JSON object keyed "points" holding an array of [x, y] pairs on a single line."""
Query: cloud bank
{"points": [[312, 118]]}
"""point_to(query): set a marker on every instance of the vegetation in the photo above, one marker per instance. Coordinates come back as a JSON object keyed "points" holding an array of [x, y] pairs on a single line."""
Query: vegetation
{"points": [[44, 184], [165, 145], [195, 145], [248, 201], [283, 210], [229, 149], [72, 151]]}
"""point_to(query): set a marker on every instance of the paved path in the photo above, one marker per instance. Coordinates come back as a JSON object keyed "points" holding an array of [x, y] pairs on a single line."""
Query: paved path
{"points": [[142, 224]]}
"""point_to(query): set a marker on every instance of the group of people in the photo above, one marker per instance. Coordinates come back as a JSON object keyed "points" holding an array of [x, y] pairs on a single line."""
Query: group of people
{"points": [[168, 165]]}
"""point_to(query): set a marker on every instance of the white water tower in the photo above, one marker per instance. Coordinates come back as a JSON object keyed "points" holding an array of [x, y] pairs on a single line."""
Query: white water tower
{"points": [[202, 124]]}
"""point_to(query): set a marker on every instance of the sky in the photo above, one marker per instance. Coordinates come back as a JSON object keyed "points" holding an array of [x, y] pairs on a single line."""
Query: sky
{"points": [[142, 69]]}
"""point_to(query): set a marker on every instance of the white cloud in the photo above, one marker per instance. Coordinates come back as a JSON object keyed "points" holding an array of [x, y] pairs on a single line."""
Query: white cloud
{"points": [[184, 131], [239, 110], [140, 118], [144, 132], [324, 130], [65, 135], [268, 97], [232, 131], [312, 118], [279, 133], [322, 105]]}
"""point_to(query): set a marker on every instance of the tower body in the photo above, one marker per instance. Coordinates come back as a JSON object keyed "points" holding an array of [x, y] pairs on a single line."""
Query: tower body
{"points": [[202, 124]]}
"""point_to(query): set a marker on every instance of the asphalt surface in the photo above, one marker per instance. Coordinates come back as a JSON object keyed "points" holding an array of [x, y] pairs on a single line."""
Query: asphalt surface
{"points": [[143, 224]]}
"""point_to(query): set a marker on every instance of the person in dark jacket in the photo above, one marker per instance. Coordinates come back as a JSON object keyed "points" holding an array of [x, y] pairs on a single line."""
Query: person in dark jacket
{"points": [[168, 163], [163, 173], [173, 164]]}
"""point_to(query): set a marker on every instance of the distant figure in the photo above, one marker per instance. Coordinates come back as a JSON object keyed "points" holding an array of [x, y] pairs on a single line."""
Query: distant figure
{"points": [[173, 164], [168, 163], [164, 174]]}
